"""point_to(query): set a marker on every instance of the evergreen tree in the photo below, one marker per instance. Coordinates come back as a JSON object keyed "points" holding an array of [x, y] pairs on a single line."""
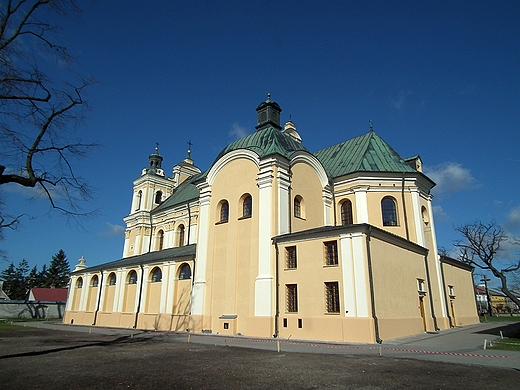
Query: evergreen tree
{"points": [[20, 282], [42, 277], [59, 270], [7, 276], [32, 279], [16, 280]]}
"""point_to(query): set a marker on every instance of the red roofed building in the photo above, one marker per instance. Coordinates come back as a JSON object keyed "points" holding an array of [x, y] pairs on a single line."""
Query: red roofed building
{"points": [[47, 294]]}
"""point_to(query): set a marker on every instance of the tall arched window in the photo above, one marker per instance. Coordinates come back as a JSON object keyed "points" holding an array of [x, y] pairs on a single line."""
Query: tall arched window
{"points": [[388, 210], [160, 240], [181, 235], [156, 275], [94, 281], [184, 271], [158, 197], [298, 207], [79, 283], [138, 200], [132, 277], [346, 213], [224, 211], [247, 207], [112, 279]]}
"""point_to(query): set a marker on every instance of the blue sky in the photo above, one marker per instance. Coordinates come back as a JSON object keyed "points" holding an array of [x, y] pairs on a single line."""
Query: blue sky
{"points": [[438, 78]]}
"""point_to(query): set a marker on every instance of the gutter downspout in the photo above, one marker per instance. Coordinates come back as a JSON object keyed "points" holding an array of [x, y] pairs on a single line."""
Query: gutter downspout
{"points": [[99, 299], [277, 293], [404, 210], [371, 282], [431, 297], [140, 296], [189, 227], [446, 298]]}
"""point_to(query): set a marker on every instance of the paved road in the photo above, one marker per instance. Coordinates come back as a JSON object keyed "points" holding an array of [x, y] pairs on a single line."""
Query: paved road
{"points": [[464, 345]]}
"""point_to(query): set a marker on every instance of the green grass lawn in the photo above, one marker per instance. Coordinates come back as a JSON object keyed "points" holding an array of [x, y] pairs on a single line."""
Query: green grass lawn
{"points": [[507, 344], [505, 318]]}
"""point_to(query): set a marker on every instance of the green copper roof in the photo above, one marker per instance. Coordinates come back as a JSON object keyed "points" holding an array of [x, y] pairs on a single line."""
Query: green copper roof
{"points": [[150, 257], [265, 143], [366, 153], [185, 192]]}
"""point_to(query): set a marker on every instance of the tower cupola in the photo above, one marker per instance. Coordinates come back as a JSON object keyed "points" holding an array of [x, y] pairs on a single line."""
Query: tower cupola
{"points": [[154, 166], [268, 113]]}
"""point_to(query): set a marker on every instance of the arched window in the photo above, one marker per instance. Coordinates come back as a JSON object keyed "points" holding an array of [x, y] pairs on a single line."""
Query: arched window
{"points": [[112, 279], [389, 212], [158, 197], [138, 200], [79, 283], [346, 213], [132, 277], [298, 207], [181, 235], [224, 211], [184, 271], [425, 216], [94, 282], [156, 275], [247, 206], [160, 240]]}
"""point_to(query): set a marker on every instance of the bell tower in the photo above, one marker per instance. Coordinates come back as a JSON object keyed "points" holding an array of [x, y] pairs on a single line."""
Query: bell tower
{"points": [[150, 190], [268, 114]]}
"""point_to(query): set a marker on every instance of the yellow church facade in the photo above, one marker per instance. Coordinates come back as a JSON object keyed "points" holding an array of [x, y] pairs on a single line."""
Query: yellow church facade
{"points": [[275, 241]]}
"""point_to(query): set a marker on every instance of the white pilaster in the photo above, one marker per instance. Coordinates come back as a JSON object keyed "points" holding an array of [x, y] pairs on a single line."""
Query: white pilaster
{"points": [[164, 287], [417, 216], [327, 206], [361, 204], [283, 179], [264, 280], [120, 291], [199, 283], [355, 288]]}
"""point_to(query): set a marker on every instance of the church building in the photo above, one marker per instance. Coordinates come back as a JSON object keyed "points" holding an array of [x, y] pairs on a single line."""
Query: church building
{"points": [[273, 240]]}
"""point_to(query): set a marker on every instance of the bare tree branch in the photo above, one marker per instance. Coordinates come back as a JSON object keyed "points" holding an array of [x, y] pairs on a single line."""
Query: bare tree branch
{"points": [[36, 111], [480, 246]]}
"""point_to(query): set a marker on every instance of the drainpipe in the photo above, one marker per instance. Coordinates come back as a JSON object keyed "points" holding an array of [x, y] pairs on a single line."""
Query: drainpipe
{"points": [[404, 210], [189, 224], [99, 299], [140, 295], [445, 296], [277, 292], [431, 297], [371, 282]]}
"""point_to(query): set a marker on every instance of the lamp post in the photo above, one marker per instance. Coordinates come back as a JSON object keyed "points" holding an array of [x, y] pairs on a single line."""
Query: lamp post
{"points": [[488, 298]]}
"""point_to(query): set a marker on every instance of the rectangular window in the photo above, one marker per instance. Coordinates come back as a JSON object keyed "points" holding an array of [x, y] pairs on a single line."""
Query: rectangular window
{"points": [[300, 323], [420, 285], [290, 257], [291, 298], [332, 297], [451, 291], [285, 322], [331, 253]]}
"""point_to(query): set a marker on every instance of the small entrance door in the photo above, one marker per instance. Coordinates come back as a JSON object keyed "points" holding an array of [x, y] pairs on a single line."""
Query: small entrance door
{"points": [[423, 315]]}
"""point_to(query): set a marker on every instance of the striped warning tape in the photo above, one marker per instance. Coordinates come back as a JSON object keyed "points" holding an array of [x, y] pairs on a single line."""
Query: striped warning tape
{"points": [[375, 348]]}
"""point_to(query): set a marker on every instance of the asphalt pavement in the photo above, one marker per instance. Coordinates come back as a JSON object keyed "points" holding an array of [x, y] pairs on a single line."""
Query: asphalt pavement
{"points": [[460, 345]]}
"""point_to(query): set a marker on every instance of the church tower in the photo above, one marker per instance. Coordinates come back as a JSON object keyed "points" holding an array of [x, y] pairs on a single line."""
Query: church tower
{"points": [[153, 187], [185, 169], [150, 190]]}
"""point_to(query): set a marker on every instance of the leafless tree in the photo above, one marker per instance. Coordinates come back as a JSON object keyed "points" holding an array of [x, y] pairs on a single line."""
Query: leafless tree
{"points": [[41, 104], [481, 247]]}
